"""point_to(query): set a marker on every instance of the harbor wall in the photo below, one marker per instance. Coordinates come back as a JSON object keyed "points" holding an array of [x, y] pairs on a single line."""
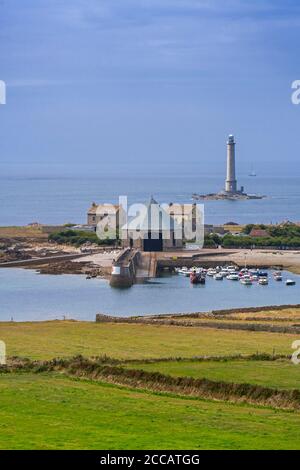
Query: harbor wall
{"points": [[124, 268]]}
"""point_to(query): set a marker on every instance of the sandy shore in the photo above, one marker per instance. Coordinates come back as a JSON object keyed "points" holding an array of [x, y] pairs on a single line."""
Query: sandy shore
{"points": [[289, 260]]}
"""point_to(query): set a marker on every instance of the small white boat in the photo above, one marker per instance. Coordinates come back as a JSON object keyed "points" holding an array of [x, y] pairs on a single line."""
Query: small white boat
{"points": [[224, 269], [187, 272], [233, 277], [183, 271], [232, 268], [218, 277], [244, 270], [290, 282], [263, 281], [224, 273], [246, 280], [278, 277], [211, 272]]}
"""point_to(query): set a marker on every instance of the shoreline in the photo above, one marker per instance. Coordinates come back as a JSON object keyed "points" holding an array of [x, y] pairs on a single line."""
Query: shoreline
{"points": [[152, 318], [210, 313], [67, 263]]}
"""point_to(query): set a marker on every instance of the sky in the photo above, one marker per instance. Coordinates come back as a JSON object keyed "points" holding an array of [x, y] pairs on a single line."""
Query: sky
{"points": [[148, 85]]}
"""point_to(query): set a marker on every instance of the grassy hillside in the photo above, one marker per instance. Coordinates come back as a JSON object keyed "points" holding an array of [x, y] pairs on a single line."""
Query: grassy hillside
{"points": [[45, 411], [282, 374], [46, 340], [51, 410]]}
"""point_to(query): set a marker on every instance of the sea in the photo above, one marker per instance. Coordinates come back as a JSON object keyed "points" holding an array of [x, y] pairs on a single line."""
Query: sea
{"points": [[28, 296], [61, 199]]}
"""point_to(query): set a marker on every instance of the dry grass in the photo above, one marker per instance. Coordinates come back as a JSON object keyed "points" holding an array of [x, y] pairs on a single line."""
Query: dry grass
{"points": [[286, 314], [22, 232]]}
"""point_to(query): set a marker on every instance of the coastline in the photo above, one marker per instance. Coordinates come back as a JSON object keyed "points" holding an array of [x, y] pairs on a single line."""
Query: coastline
{"points": [[159, 318], [74, 262]]}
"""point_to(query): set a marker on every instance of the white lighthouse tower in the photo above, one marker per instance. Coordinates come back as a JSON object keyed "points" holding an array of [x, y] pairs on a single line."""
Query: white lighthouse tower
{"points": [[231, 183]]}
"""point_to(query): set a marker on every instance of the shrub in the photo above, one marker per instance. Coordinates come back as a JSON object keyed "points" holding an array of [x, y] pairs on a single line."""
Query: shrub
{"points": [[78, 238]]}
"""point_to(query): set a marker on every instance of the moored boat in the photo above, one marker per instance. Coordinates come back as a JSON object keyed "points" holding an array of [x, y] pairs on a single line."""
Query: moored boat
{"points": [[197, 278], [232, 268], [233, 277], [211, 272], [262, 274], [246, 280], [183, 271]]}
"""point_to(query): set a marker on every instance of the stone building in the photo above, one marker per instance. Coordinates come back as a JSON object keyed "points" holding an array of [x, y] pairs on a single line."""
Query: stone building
{"points": [[164, 232], [100, 212], [152, 230]]}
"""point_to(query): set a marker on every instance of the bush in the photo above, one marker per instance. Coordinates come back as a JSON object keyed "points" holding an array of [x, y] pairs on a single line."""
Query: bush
{"points": [[78, 238], [229, 241]]}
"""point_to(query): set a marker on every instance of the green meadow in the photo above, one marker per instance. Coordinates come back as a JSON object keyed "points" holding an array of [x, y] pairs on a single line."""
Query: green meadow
{"points": [[281, 374], [45, 340], [51, 411]]}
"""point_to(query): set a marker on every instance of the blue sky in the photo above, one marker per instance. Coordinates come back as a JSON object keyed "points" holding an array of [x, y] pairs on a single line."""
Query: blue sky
{"points": [[97, 84]]}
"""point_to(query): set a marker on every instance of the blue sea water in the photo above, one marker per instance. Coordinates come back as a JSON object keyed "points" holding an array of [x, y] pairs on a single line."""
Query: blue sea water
{"points": [[54, 199], [59, 199], [28, 296]]}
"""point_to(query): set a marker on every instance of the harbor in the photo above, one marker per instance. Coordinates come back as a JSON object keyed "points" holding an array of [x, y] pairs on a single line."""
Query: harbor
{"points": [[245, 276], [71, 296]]}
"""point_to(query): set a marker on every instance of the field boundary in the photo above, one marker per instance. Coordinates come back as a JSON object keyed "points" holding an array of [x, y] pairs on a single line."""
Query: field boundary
{"points": [[157, 382], [17, 361], [184, 320], [106, 318]]}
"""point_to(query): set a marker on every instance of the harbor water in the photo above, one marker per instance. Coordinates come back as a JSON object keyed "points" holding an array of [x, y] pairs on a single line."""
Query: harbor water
{"points": [[28, 296]]}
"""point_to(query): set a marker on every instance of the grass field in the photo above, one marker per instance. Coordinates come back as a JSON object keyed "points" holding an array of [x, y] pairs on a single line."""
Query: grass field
{"points": [[281, 374], [46, 340], [279, 317], [44, 411], [22, 232], [287, 313], [50, 410]]}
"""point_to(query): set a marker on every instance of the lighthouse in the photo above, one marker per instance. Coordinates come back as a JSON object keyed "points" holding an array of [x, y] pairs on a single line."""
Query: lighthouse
{"points": [[231, 192], [231, 183]]}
